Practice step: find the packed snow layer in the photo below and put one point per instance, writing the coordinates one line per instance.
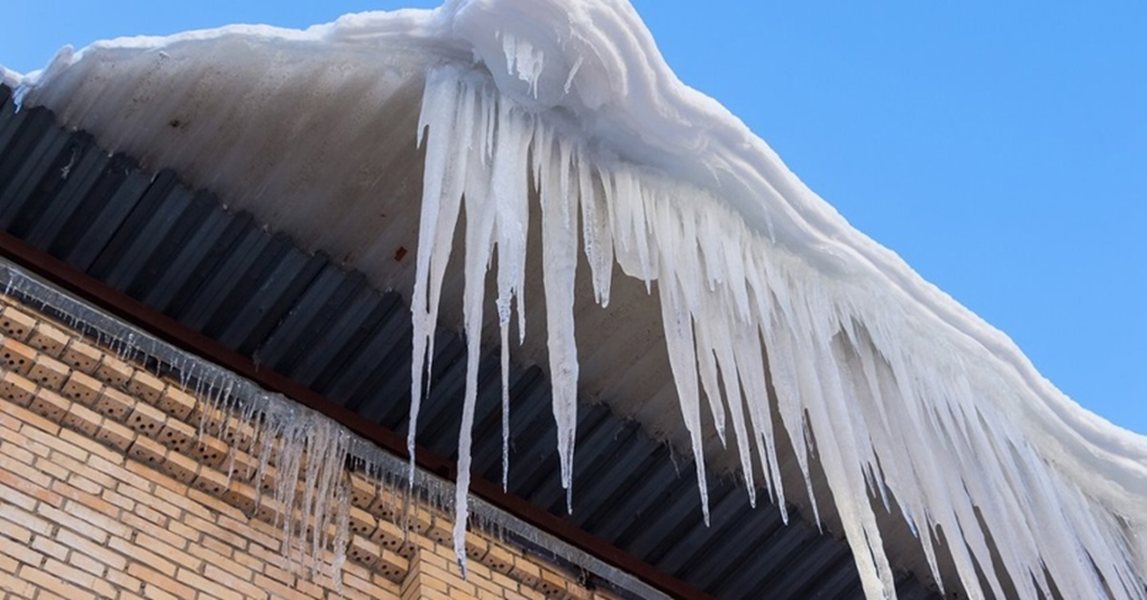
(774, 309)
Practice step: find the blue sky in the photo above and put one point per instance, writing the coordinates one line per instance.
(1000, 148)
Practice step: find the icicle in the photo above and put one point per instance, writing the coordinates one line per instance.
(444, 177)
(559, 243)
(858, 380)
(481, 220)
(679, 341)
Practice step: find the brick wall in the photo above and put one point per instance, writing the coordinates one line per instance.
(107, 490)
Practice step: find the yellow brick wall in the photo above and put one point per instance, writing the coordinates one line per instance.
(107, 490)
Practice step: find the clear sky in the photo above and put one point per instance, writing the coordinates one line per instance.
(1000, 148)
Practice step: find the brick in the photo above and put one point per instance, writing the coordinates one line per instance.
(224, 514)
(31, 421)
(146, 419)
(363, 551)
(164, 535)
(155, 581)
(176, 403)
(140, 556)
(115, 435)
(81, 418)
(113, 371)
(81, 355)
(209, 529)
(203, 584)
(211, 544)
(50, 548)
(87, 564)
(11, 584)
(17, 388)
(364, 586)
(362, 522)
(209, 451)
(118, 499)
(137, 524)
(235, 582)
(67, 466)
(278, 590)
(146, 386)
(86, 499)
(182, 500)
(97, 552)
(501, 560)
(81, 578)
(391, 537)
(93, 447)
(176, 435)
(180, 468)
(114, 404)
(50, 405)
(163, 548)
(221, 561)
(17, 357)
(242, 496)
(12, 450)
(129, 473)
(123, 581)
(93, 532)
(211, 482)
(83, 484)
(14, 323)
(53, 584)
(476, 547)
(82, 388)
(108, 523)
(147, 451)
(26, 481)
(48, 372)
(12, 531)
(21, 552)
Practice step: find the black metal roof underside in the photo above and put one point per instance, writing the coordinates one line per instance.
(178, 251)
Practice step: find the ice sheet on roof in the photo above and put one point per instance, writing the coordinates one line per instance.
(567, 108)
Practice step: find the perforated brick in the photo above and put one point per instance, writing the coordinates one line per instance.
(115, 435)
(180, 468)
(145, 419)
(176, 435)
(17, 356)
(83, 419)
(113, 371)
(49, 405)
(176, 403)
(114, 404)
(81, 356)
(147, 451)
(17, 388)
(16, 324)
(82, 388)
(48, 372)
(48, 338)
(146, 386)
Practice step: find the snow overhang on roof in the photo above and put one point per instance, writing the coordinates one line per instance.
(780, 321)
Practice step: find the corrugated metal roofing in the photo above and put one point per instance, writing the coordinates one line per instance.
(180, 252)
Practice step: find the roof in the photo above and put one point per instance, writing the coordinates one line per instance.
(180, 252)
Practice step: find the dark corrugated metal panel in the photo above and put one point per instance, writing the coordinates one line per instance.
(180, 252)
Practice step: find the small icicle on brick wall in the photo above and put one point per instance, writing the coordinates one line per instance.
(892, 406)
(299, 470)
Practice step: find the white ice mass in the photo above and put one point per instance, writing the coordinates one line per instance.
(566, 109)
